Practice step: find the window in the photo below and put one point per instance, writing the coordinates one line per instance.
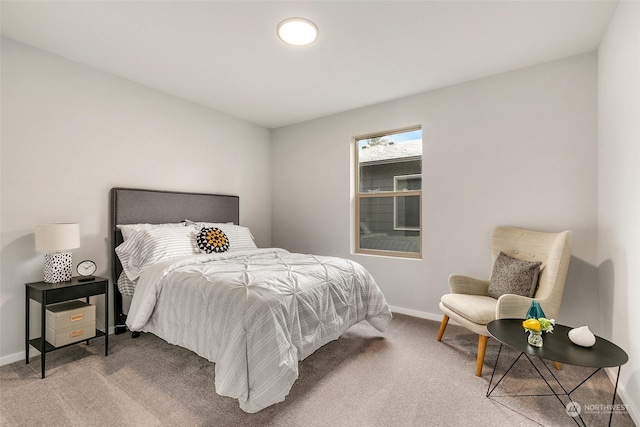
(389, 193)
(406, 210)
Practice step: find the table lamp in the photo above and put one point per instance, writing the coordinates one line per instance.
(56, 238)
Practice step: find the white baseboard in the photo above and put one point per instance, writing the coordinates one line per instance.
(5, 360)
(421, 314)
(634, 411)
(416, 313)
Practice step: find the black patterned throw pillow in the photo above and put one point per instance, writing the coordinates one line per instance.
(513, 276)
(212, 239)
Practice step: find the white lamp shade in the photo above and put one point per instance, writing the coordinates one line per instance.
(57, 237)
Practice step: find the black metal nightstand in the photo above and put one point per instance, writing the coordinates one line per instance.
(51, 293)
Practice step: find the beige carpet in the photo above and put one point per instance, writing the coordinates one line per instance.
(401, 378)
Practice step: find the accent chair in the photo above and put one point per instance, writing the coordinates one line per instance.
(515, 253)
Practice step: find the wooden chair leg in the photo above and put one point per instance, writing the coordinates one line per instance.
(558, 366)
(443, 326)
(482, 348)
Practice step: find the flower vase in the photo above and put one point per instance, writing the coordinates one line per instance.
(535, 339)
(535, 311)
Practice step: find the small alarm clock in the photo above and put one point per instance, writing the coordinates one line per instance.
(86, 269)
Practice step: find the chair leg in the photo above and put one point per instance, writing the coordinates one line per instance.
(558, 366)
(482, 348)
(443, 326)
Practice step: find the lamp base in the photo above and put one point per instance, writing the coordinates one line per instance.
(57, 267)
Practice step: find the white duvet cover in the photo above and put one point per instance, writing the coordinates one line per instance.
(255, 313)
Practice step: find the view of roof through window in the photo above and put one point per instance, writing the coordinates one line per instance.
(403, 145)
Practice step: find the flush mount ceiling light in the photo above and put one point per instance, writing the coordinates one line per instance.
(297, 31)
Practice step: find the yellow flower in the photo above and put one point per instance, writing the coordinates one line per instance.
(532, 325)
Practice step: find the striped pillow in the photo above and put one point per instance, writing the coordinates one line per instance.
(146, 247)
(128, 229)
(126, 286)
(240, 238)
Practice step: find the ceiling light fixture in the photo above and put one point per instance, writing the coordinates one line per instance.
(297, 31)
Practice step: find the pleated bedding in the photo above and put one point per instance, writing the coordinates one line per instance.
(255, 313)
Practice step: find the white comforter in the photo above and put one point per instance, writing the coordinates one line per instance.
(255, 313)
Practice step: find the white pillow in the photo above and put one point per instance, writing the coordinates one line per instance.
(128, 229)
(240, 238)
(146, 247)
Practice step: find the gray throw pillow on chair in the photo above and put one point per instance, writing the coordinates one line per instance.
(513, 276)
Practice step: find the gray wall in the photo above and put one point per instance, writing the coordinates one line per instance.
(619, 193)
(70, 133)
(516, 149)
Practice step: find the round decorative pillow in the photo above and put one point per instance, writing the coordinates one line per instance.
(213, 240)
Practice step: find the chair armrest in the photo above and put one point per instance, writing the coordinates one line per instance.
(512, 306)
(467, 285)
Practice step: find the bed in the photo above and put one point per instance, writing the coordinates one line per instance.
(254, 312)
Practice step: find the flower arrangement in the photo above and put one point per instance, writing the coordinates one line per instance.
(536, 327)
(539, 325)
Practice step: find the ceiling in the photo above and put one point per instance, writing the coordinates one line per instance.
(225, 54)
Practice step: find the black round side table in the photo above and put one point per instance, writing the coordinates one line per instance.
(558, 348)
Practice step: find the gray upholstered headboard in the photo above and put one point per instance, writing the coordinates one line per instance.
(136, 206)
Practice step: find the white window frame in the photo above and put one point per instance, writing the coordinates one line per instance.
(395, 200)
(377, 194)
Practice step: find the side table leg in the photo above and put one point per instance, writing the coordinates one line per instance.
(106, 318)
(88, 302)
(26, 328)
(494, 371)
(43, 331)
(489, 389)
(613, 401)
